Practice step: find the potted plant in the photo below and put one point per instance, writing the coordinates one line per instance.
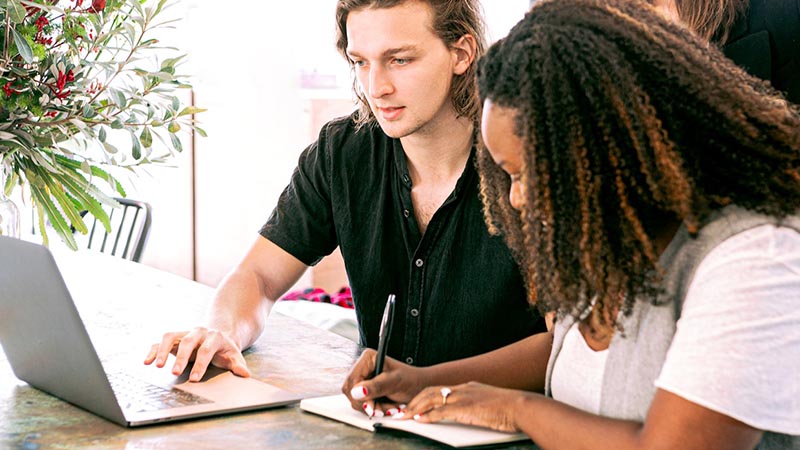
(86, 89)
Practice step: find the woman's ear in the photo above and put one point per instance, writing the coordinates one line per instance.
(464, 51)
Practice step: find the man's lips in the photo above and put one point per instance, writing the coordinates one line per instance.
(390, 112)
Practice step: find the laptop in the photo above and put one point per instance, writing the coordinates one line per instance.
(48, 347)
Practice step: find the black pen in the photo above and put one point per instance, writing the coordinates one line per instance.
(385, 332)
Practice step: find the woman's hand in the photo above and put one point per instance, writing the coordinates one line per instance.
(471, 403)
(397, 384)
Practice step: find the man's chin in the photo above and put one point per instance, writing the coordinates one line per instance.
(394, 130)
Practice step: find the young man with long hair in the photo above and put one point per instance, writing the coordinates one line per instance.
(393, 185)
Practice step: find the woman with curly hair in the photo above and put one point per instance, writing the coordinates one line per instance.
(649, 189)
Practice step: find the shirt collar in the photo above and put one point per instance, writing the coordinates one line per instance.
(401, 165)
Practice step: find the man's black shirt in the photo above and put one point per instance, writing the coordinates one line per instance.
(458, 290)
(766, 43)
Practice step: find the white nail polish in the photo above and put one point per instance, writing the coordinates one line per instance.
(378, 413)
(392, 411)
(368, 409)
(417, 416)
(399, 415)
(358, 392)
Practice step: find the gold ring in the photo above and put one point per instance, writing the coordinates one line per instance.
(445, 392)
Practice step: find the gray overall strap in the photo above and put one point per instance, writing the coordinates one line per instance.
(637, 354)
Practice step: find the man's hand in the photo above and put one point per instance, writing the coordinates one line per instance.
(398, 383)
(202, 346)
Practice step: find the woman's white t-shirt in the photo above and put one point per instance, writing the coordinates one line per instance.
(736, 349)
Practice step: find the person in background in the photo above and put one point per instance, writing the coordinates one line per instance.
(763, 36)
(655, 187)
(394, 185)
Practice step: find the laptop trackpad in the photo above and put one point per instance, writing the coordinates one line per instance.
(222, 386)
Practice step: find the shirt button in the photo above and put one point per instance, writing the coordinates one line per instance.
(419, 263)
(414, 312)
(406, 213)
(405, 178)
(409, 360)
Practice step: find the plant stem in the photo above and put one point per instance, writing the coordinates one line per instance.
(8, 34)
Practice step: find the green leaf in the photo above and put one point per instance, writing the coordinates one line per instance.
(56, 219)
(11, 182)
(102, 134)
(171, 62)
(67, 207)
(117, 125)
(146, 137)
(110, 148)
(86, 194)
(174, 127)
(176, 104)
(16, 12)
(40, 222)
(160, 6)
(164, 76)
(117, 97)
(176, 142)
(201, 131)
(136, 150)
(22, 46)
(88, 112)
(191, 110)
(80, 185)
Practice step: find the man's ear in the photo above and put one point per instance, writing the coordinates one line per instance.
(464, 51)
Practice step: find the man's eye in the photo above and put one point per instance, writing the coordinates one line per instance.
(358, 63)
(402, 61)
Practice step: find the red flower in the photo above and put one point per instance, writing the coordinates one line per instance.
(41, 22)
(61, 83)
(8, 90)
(97, 5)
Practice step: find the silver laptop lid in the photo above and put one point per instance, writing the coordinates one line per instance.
(42, 333)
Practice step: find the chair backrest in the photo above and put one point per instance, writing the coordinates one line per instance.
(130, 226)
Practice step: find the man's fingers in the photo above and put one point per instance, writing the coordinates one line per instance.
(202, 358)
(151, 355)
(240, 367)
(167, 346)
(186, 349)
(201, 346)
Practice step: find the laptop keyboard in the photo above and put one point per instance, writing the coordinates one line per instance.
(138, 395)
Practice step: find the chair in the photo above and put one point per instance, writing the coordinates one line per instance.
(130, 227)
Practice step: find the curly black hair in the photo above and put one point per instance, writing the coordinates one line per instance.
(629, 121)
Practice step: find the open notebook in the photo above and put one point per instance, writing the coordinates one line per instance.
(337, 407)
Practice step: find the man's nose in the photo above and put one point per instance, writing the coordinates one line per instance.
(379, 82)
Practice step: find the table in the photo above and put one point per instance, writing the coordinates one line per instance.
(138, 303)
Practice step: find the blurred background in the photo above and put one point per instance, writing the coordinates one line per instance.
(270, 76)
